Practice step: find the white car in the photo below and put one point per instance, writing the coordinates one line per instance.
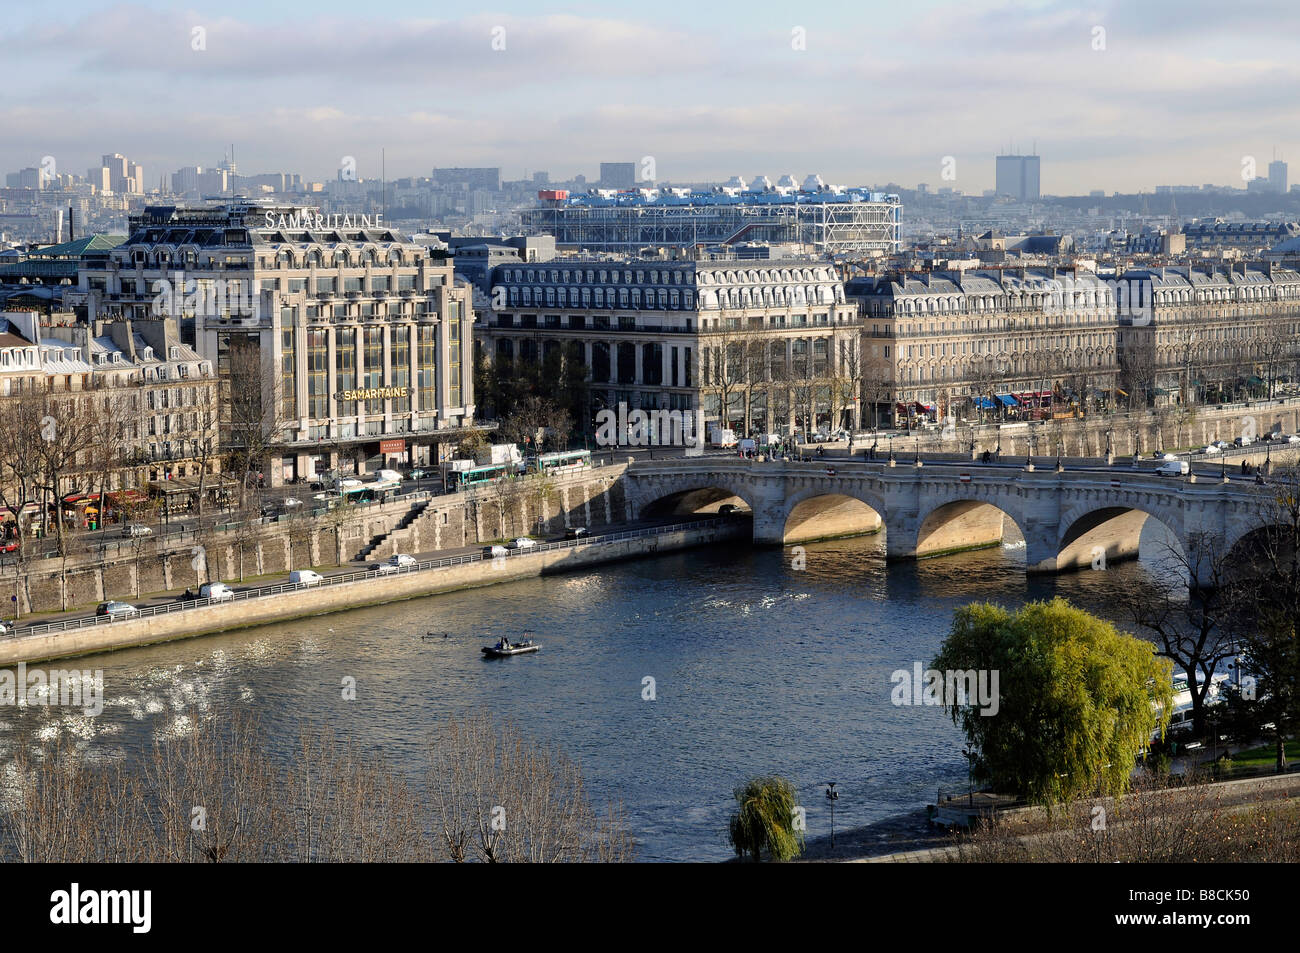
(305, 577)
(216, 591)
(1211, 449)
(1174, 468)
(523, 542)
(291, 501)
(1169, 456)
(1294, 438)
(395, 562)
(388, 475)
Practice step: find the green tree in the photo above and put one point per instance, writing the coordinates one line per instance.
(765, 820)
(1076, 700)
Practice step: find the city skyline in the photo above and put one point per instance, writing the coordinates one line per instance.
(1139, 98)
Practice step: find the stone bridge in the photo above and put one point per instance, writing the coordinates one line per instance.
(1070, 518)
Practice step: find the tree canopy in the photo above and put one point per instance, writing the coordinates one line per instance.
(1075, 702)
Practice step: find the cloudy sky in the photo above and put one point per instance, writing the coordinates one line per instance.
(1117, 94)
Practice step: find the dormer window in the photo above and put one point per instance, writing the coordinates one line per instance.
(148, 354)
(175, 353)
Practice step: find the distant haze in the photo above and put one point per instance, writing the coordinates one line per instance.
(1180, 93)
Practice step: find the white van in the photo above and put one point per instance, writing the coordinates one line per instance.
(1174, 468)
(216, 591)
(387, 476)
(305, 577)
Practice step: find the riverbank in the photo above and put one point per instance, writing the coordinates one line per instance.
(285, 603)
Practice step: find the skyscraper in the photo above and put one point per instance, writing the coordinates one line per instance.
(618, 175)
(1017, 176)
(1277, 176)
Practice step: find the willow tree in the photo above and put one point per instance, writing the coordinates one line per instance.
(1077, 700)
(766, 822)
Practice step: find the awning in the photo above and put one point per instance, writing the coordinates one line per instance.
(1255, 381)
(1006, 400)
(983, 403)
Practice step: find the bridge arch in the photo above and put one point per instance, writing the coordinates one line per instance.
(1261, 545)
(959, 523)
(826, 512)
(703, 497)
(1100, 533)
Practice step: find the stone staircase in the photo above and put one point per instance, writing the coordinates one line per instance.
(415, 512)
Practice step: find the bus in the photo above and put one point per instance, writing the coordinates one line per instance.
(377, 490)
(454, 479)
(564, 462)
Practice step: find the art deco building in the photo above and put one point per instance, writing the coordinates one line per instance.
(363, 339)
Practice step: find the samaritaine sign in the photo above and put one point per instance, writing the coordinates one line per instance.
(313, 220)
(372, 393)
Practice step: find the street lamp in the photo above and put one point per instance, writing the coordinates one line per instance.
(832, 795)
(968, 752)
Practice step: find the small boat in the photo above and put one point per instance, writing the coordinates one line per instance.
(504, 648)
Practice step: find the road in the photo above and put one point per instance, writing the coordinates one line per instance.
(177, 595)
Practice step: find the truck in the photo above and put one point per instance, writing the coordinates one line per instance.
(499, 453)
(721, 436)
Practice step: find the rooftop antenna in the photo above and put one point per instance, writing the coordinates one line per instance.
(383, 183)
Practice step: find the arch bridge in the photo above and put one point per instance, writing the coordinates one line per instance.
(1070, 518)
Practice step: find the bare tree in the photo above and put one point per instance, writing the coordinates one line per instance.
(22, 425)
(498, 797)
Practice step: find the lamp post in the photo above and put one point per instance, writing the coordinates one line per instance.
(832, 795)
(968, 752)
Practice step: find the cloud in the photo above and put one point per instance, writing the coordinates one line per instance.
(1179, 90)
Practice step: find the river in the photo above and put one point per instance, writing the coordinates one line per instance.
(758, 666)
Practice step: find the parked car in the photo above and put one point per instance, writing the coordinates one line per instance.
(395, 562)
(1221, 444)
(116, 610)
(305, 577)
(523, 542)
(1293, 438)
(9, 547)
(1174, 468)
(289, 502)
(575, 532)
(495, 552)
(1243, 441)
(216, 591)
(132, 530)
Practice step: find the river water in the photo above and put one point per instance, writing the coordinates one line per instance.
(758, 667)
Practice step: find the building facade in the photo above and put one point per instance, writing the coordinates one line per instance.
(1061, 341)
(828, 219)
(359, 341)
(760, 346)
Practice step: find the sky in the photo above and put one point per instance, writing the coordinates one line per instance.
(1120, 95)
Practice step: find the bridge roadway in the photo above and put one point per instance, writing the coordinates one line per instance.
(1086, 515)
